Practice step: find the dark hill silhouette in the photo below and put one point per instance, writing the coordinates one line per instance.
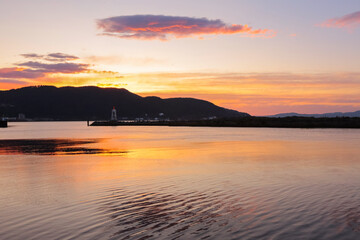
(94, 103)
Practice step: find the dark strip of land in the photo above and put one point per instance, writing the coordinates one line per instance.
(287, 122)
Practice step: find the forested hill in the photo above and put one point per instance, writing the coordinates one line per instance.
(94, 103)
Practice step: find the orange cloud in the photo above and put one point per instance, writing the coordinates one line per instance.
(160, 27)
(350, 21)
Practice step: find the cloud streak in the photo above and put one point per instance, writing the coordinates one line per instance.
(64, 67)
(53, 57)
(60, 57)
(13, 81)
(44, 65)
(21, 73)
(349, 21)
(58, 69)
(161, 27)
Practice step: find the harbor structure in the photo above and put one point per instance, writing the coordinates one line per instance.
(113, 115)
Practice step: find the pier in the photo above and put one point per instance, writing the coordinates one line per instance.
(266, 122)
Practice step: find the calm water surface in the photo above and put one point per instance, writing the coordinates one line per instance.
(69, 181)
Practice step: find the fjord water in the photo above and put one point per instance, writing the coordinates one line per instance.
(64, 180)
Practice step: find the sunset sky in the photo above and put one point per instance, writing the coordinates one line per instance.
(261, 57)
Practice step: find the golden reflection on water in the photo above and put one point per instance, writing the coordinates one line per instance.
(154, 158)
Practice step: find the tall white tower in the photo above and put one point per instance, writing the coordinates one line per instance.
(113, 114)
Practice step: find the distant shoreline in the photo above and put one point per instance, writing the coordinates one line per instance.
(259, 122)
(251, 122)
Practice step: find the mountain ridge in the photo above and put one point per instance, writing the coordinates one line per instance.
(95, 103)
(320, 115)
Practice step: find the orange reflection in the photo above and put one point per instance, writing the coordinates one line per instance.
(151, 156)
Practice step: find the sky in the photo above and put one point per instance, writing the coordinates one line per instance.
(257, 56)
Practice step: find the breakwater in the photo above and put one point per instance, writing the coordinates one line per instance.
(288, 122)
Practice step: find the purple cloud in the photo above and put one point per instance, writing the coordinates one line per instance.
(61, 57)
(31, 55)
(53, 57)
(351, 20)
(12, 81)
(64, 67)
(20, 73)
(160, 27)
(46, 65)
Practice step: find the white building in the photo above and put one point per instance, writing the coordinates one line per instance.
(113, 114)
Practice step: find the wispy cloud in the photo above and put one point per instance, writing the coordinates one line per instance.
(60, 57)
(54, 68)
(349, 21)
(53, 57)
(31, 55)
(13, 81)
(43, 65)
(22, 73)
(64, 67)
(161, 27)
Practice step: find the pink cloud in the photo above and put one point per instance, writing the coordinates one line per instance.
(160, 27)
(20, 73)
(43, 66)
(53, 57)
(63, 67)
(350, 21)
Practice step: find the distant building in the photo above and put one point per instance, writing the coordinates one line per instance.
(21, 116)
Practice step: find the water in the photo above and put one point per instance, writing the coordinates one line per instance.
(65, 180)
